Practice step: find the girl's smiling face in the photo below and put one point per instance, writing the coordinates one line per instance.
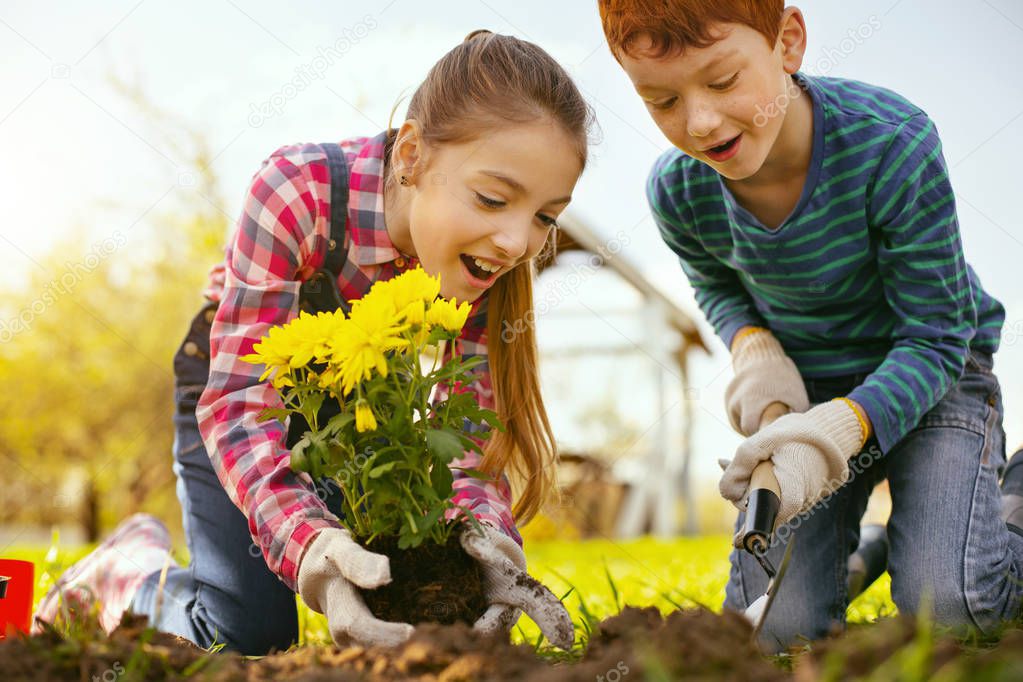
(474, 210)
(723, 104)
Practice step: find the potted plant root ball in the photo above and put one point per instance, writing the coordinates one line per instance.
(386, 447)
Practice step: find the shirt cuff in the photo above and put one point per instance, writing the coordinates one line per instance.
(300, 539)
(887, 430)
(728, 329)
(487, 519)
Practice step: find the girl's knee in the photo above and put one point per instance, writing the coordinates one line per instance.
(255, 636)
(252, 629)
(259, 639)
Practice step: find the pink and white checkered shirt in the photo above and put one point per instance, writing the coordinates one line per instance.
(279, 242)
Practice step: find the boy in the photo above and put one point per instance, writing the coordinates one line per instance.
(815, 220)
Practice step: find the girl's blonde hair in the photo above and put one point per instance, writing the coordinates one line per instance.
(481, 85)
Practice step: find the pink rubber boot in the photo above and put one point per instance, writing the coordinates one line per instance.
(111, 573)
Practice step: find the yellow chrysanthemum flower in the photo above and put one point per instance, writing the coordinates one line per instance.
(359, 345)
(272, 350)
(414, 313)
(448, 314)
(296, 343)
(412, 286)
(319, 330)
(364, 418)
(407, 294)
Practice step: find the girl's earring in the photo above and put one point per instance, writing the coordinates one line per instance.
(403, 180)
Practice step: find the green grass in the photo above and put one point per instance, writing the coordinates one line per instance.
(594, 577)
(684, 572)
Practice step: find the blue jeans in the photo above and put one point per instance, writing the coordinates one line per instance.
(227, 594)
(948, 541)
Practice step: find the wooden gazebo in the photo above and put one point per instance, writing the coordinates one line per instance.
(651, 502)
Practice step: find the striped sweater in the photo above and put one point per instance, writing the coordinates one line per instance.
(866, 275)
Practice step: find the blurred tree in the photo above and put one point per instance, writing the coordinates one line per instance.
(86, 351)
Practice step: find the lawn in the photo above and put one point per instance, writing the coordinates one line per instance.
(598, 576)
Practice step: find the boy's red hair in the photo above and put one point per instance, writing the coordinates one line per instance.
(674, 25)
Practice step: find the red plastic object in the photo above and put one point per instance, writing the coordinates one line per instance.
(16, 582)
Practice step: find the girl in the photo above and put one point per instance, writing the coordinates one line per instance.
(469, 187)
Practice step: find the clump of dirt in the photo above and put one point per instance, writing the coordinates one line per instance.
(135, 652)
(429, 584)
(904, 648)
(686, 645)
(132, 650)
(442, 653)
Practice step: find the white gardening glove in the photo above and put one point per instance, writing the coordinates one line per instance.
(810, 453)
(510, 590)
(331, 569)
(764, 374)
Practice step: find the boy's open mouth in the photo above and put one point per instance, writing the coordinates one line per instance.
(724, 152)
(726, 146)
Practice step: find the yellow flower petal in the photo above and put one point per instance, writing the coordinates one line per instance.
(448, 314)
(364, 418)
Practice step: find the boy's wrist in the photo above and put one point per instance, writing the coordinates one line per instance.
(742, 333)
(861, 414)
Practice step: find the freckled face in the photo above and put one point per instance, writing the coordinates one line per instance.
(495, 198)
(723, 104)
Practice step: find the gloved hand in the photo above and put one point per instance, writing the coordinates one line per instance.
(810, 453)
(764, 374)
(510, 590)
(331, 568)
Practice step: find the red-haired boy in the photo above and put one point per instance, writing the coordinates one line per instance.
(815, 220)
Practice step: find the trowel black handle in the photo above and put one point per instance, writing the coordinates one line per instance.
(764, 496)
(762, 509)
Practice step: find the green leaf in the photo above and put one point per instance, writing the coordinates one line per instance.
(469, 517)
(433, 516)
(441, 479)
(490, 417)
(472, 362)
(338, 422)
(278, 413)
(318, 456)
(425, 493)
(469, 444)
(380, 470)
(340, 451)
(444, 444)
(437, 334)
(314, 401)
(405, 541)
(385, 493)
(299, 460)
(474, 473)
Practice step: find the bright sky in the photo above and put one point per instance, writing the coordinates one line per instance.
(72, 149)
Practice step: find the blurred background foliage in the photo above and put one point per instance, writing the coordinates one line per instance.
(86, 432)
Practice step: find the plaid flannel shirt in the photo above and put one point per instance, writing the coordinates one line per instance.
(279, 242)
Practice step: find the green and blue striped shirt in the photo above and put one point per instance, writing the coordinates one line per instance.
(866, 275)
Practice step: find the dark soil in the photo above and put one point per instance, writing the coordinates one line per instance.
(429, 584)
(900, 648)
(638, 644)
(695, 644)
